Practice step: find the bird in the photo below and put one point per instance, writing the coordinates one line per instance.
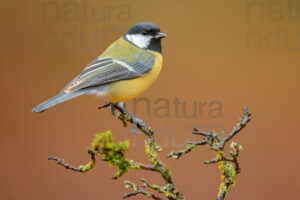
(122, 72)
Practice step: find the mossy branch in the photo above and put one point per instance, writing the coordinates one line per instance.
(229, 167)
(111, 152)
(114, 154)
(137, 191)
(152, 150)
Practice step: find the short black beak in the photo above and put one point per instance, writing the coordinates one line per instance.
(160, 35)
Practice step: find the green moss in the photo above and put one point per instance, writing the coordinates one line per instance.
(236, 146)
(167, 173)
(111, 152)
(191, 147)
(87, 167)
(222, 187)
(151, 152)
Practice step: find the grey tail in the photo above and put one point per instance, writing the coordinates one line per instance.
(56, 100)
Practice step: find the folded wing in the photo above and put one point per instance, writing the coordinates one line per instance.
(106, 70)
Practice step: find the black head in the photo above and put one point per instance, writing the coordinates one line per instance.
(146, 36)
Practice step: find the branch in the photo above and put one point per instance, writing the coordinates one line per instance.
(152, 150)
(81, 168)
(125, 118)
(153, 187)
(178, 154)
(137, 191)
(111, 152)
(142, 166)
(217, 143)
(61, 162)
(114, 154)
(245, 119)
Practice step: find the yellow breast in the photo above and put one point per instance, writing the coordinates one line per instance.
(125, 90)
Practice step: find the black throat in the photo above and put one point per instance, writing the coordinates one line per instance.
(155, 45)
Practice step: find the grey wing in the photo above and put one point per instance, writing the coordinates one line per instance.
(106, 70)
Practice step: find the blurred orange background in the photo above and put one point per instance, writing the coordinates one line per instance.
(227, 54)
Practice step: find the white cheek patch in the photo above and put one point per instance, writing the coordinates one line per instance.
(142, 41)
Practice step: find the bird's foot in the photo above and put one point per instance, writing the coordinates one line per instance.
(135, 122)
(139, 121)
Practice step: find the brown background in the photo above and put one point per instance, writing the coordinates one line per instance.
(233, 52)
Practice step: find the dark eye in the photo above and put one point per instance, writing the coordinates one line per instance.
(144, 33)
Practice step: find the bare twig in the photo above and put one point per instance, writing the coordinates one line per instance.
(61, 162)
(245, 119)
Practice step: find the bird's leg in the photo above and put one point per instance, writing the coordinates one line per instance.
(111, 105)
(135, 121)
(112, 109)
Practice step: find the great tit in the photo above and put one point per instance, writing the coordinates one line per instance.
(122, 72)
